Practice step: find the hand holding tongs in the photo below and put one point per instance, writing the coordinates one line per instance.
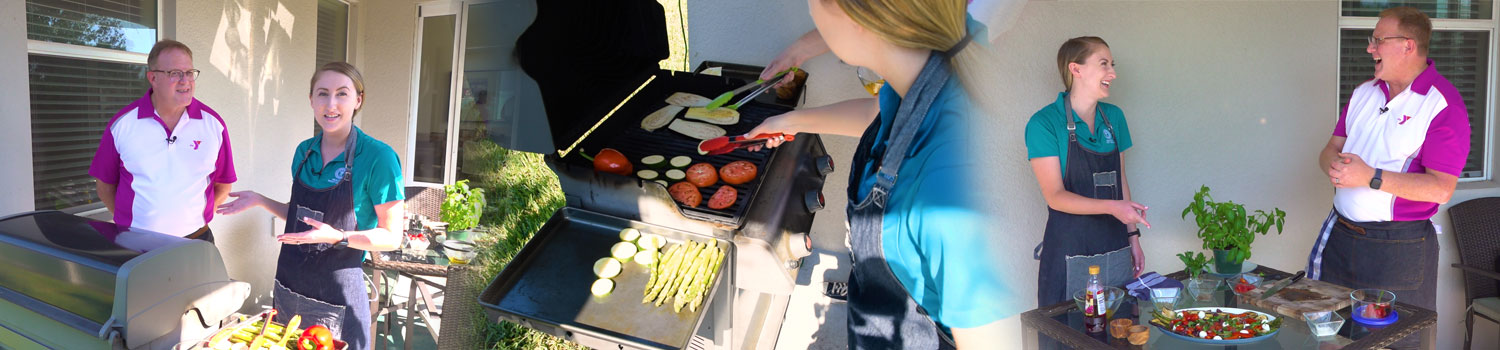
(725, 97)
(725, 144)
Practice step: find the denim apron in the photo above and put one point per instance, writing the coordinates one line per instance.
(1073, 242)
(322, 282)
(1399, 256)
(882, 314)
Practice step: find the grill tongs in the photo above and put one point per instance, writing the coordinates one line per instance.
(764, 84)
(725, 144)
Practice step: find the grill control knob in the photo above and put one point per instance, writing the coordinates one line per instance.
(824, 164)
(814, 201)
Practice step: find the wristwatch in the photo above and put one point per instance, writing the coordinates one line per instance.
(343, 242)
(1375, 181)
(1137, 232)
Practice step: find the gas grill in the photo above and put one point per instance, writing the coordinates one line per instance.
(545, 287)
(70, 282)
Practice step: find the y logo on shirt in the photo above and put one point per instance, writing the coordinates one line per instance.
(1108, 138)
(1404, 118)
(195, 144)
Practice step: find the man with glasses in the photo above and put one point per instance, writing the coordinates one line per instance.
(1396, 154)
(164, 162)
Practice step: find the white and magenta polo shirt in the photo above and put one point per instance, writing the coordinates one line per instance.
(1424, 127)
(165, 180)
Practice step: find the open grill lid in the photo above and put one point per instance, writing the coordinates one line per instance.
(586, 59)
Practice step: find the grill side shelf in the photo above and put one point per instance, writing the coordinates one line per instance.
(546, 286)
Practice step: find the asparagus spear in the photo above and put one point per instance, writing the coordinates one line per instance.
(661, 276)
(655, 272)
(703, 287)
(694, 274)
(680, 273)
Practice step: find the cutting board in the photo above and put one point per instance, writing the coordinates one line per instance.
(1304, 296)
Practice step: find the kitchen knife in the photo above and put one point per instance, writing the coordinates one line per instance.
(1279, 285)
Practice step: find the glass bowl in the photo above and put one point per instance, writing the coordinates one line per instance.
(1323, 323)
(1245, 283)
(1372, 304)
(1166, 298)
(1112, 298)
(1203, 288)
(459, 252)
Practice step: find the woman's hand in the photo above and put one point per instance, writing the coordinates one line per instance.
(242, 200)
(783, 124)
(1129, 213)
(1140, 256)
(806, 47)
(320, 233)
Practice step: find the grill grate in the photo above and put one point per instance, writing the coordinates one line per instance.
(622, 132)
(636, 143)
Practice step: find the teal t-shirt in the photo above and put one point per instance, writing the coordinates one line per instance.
(933, 232)
(377, 174)
(1047, 132)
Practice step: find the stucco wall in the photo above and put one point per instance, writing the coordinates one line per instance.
(256, 57)
(385, 55)
(15, 104)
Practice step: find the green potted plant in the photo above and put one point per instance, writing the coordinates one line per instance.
(1196, 263)
(1228, 229)
(462, 208)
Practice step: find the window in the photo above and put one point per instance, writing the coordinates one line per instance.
(333, 31)
(1462, 47)
(86, 60)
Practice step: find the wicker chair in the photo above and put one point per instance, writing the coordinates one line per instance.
(1476, 226)
(425, 201)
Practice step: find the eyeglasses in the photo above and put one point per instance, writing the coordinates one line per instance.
(1374, 40)
(178, 75)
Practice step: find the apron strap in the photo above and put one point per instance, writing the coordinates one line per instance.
(909, 117)
(349, 146)
(1072, 127)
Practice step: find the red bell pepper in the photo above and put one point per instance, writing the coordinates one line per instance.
(316, 338)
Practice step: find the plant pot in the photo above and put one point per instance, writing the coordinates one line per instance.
(1223, 265)
(462, 235)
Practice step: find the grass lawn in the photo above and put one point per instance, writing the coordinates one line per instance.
(522, 193)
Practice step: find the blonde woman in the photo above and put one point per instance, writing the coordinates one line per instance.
(1075, 146)
(346, 199)
(923, 276)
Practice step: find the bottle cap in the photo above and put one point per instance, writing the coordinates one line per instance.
(1093, 269)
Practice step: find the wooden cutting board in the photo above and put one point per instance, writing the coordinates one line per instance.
(1304, 296)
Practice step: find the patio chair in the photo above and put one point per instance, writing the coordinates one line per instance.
(425, 201)
(1476, 226)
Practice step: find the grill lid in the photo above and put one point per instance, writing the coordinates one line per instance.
(586, 59)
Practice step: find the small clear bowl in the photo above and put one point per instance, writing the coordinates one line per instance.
(1372, 304)
(1203, 288)
(1166, 298)
(459, 252)
(1323, 323)
(1112, 298)
(1245, 283)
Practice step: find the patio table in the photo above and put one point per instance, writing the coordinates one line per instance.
(1063, 323)
(450, 321)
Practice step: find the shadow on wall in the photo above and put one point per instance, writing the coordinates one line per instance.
(245, 78)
